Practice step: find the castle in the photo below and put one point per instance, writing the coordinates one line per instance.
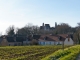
(47, 27)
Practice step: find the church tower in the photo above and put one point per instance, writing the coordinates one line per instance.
(43, 26)
(55, 24)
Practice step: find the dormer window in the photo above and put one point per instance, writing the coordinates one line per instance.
(46, 38)
(60, 37)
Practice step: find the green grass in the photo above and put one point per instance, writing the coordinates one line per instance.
(26, 52)
(68, 54)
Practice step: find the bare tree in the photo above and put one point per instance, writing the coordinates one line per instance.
(28, 30)
(78, 24)
(10, 30)
(34, 42)
(63, 28)
(77, 34)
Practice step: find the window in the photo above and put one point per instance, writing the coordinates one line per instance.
(60, 37)
(39, 42)
(46, 38)
(43, 43)
(50, 43)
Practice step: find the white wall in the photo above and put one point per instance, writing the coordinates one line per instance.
(70, 42)
(26, 42)
(49, 42)
(46, 42)
(58, 42)
(11, 43)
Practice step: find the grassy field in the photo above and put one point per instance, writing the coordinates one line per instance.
(26, 52)
(68, 54)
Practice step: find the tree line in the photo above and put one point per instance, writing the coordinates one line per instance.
(62, 28)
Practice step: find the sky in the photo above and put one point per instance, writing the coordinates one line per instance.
(21, 12)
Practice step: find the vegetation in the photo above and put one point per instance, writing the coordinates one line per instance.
(10, 30)
(62, 28)
(26, 52)
(67, 54)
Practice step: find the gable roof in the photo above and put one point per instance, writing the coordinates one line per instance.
(59, 37)
(48, 38)
(63, 35)
(66, 35)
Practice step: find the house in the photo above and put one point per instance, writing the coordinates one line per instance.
(56, 39)
(68, 39)
(17, 40)
(12, 40)
(27, 41)
(30, 39)
(3, 41)
(49, 40)
(21, 39)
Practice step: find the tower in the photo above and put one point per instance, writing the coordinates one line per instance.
(55, 24)
(43, 26)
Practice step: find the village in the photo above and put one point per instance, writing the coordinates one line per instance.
(39, 29)
(38, 39)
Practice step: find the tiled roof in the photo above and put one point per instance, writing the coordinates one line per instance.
(63, 35)
(59, 37)
(66, 35)
(49, 38)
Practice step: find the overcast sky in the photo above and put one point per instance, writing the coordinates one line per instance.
(21, 12)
